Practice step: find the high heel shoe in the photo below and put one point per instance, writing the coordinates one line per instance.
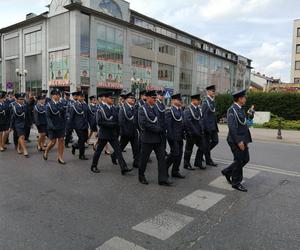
(27, 155)
(61, 162)
(45, 157)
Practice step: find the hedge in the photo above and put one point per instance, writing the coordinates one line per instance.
(286, 125)
(285, 105)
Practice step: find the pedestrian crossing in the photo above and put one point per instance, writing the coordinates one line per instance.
(168, 223)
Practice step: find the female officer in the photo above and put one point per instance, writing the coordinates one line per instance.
(41, 121)
(4, 120)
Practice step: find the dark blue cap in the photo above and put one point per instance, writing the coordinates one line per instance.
(161, 92)
(196, 97)
(239, 94)
(211, 87)
(176, 97)
(151, 93)
(55, 92)
(92, 97)
(2, 94)
(20, 96)
(109, 94)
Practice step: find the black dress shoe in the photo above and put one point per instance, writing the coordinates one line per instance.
(113, 160)
(189, 167)
(45, 157)
(126, 170)
(240, 187)
(227, 176)
(83, 158)
(95, 170)
(211, 163)
(178, 175)
(165, 183)
(73, 150)
(143, 180)
(135, 166)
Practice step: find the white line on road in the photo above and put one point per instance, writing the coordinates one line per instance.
(117, 243)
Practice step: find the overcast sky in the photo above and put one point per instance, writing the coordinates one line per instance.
(258, 29)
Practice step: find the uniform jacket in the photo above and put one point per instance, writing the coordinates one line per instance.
(19, 114)
(192, 121)
(237, 124)
(40, 117)
(174, 124)
(161, 109)
(209, 115)
(5, 113)
(56, 115)
(126, 121)
(80, 116)
(93, 111)
(151, 130)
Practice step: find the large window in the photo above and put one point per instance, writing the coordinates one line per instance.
(110, 51)
(85, 50)
(298, 48)
(143, 42)
(167, 49)
(186, 59)
(165, 32)
(141, 74)
(11, 47)
(59, 66)
(166, 75)
(1, 87)
(297, 80)
(12, 79)
(202, 72)
(185, 74)
(184, 39)
(33, 64)
(297, 65)
(298, 32)
(144, 24)
(33, 42)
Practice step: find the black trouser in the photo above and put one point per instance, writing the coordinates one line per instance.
(211, 141)
(192, 140)
(117, 150)
(124, 140)
(82, 138)
(68, 136)
(241, 158)
(146, 150)
(175, 156)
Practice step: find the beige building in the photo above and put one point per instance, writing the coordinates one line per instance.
(295, 68)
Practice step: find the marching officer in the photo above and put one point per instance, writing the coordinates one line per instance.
(44, 94)
(194, 133)
(238, 139)
(107, 120)
(19, 122)
(5, 114)
(80, 118)
(40, 120)
(211, 129)
(175, 130)
(56, 125)
(152, 133)
(93, 110)
(128, 131)
(67, 103)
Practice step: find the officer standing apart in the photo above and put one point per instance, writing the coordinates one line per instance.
(194, 133)
(80, 118)
(152, 138)
(210, 124)
(238, 139)
(175, 130)
(107, 120)
(128, 130)
(4, 120)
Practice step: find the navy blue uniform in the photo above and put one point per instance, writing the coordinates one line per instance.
(107, 120)
(194, 135)
(56, 120)
(128, 131)
(40, 118)
(5, 114)
(18, 120)
(67, 105)
(161, 108)
(175, 131)
(210, 127)
(152, 138)
(79, 118)
(238, 132)
(93, 110)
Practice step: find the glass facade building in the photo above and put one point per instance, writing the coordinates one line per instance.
(103, 45)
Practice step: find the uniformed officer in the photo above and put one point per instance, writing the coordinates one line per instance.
(93, 106)
(67, 103)
(4, 119)
(56, 125)
(18, 123)
(238, 139)
(194, 133)
(40, 120)
(80, 118)
(107, 120)
(44, 94)
(175, 130)
(128, 131)
(152, 138)
(211, 129)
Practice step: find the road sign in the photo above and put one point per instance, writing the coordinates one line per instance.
(9, 85)
(167, 95)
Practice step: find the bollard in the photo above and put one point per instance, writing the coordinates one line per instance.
(279, 134)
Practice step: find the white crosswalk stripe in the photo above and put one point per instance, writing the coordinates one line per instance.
(117, 243)
(164, 225)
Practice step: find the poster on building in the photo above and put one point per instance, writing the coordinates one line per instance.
(141, 78)
(59, 68)
(84, 70)
(109, 74)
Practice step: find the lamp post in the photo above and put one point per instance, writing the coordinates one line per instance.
(20, 74)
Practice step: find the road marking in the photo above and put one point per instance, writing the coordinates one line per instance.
(164, 225)
(250, 173)
(201, 200)
(221, 183)
(264, 168)
(117, 243)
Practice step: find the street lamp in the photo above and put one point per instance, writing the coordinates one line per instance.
(21, 73)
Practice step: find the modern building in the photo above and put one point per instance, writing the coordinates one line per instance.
(295, 65)
(262, 82)
(98, 45)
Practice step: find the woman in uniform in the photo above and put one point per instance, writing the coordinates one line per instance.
(41, 121)
(4, 120)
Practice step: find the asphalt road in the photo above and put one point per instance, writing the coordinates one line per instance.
(47, 206)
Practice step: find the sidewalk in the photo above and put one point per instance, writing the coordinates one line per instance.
(270, 135)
